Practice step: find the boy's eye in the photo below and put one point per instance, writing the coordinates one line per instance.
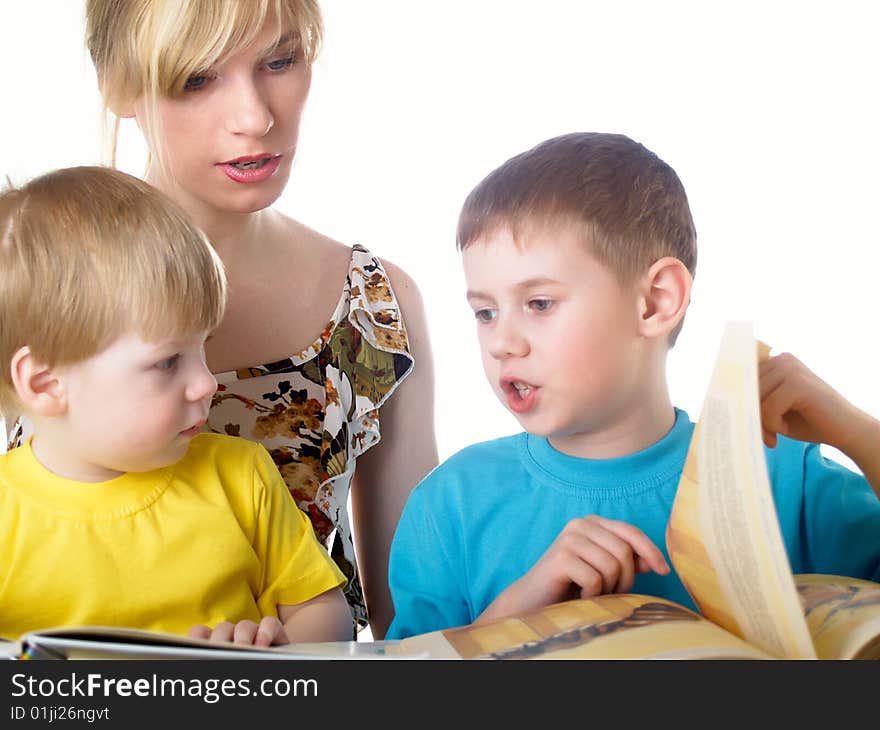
(540, 305)
(196, 82)
(279, 64)
(485, 315)
(168, 363)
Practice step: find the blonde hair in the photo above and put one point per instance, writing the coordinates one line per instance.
(87, 253)
(149, 48)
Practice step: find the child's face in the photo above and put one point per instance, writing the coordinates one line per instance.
(135, 406)
(558, 334)
(248, 110)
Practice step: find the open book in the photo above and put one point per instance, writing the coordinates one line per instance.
(723, 538)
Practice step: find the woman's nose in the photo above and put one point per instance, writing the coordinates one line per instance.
(248, 109)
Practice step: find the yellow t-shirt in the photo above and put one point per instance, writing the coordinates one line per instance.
(214, 537)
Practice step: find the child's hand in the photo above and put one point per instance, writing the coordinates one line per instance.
(269, 632)
(797, 404)
(592, 555)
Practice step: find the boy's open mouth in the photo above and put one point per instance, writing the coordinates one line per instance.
(521, 396)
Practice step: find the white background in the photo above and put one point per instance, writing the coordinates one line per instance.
(767, 110)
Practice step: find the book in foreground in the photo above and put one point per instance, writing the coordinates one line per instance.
(723, 538)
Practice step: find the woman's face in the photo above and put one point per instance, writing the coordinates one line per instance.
(227, 142)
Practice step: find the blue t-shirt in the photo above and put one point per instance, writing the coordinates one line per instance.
(481, 520)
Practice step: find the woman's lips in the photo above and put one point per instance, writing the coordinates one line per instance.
(251, 169)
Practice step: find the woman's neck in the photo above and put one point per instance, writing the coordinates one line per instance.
(228, 231)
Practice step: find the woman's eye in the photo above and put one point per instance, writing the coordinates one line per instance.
(196, 82)
(484, 315)
(279, 64)
(168, 363)
(541, 305)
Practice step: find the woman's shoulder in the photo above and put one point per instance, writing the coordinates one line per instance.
(334, 254)
(326, 253)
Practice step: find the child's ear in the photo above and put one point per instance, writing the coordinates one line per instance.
(664, 295)
(38, 386)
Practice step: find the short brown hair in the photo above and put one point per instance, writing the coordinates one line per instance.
(88, 252)
(630, 204)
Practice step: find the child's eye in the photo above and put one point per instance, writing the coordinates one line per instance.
(279, 64)
(485, 316)
(168, 363)
(541, 305)
(196, 82)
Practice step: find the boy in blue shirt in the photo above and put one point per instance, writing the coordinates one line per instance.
(579, 256)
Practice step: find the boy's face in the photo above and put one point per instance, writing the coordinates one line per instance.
(135, 406)
(558, 335)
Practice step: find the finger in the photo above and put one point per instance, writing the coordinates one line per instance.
(585, 577)
(774, 407)
(611, 555)
(271, 632)
(639, 542)
(770, 376)
(199, 632)
(244, 632)
(222, 632)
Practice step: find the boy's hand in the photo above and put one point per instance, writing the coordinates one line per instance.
(269, 632)
(592, 555)
(797, 404)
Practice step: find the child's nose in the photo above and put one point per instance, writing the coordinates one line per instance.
(507, 340)
(203, 385)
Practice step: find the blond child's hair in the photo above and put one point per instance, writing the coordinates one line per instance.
(629, 205)
(149, 48)
(87, 253)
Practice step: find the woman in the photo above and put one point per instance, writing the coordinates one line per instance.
(322, 344)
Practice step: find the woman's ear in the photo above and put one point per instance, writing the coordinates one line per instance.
(664, 295)
(38, 386)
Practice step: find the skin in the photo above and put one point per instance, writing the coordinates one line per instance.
(85, 432)
(323, 618)
(252, 104)
(798, 404)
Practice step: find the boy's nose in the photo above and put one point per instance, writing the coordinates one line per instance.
(248, 111)
(203, 385)
(507, 340)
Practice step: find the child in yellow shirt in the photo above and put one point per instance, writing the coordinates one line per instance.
(118, 510)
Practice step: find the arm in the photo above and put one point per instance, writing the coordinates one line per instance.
(799, 405)
(323, 618)
(591, 556)
(387, 473)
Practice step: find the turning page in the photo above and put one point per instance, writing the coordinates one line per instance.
(723, 535)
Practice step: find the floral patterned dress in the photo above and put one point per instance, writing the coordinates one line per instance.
(318, 410)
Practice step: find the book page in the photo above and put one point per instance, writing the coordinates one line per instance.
(723, 535)
(9, 649)
(105, 642)
(843, 615)
(627, 626)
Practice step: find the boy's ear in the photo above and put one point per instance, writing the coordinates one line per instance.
(664, 295)
(38, 386)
